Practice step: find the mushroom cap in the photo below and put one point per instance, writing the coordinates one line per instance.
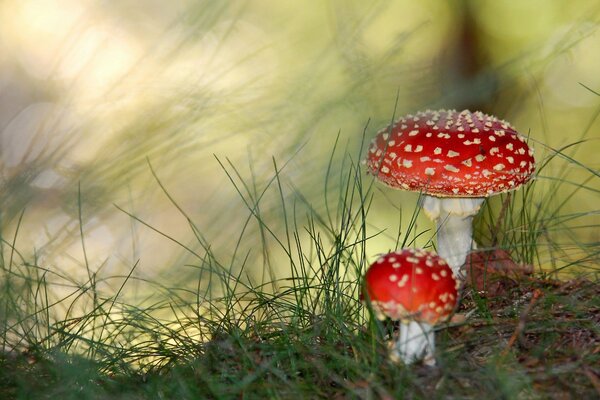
(449, 153)
(412, 285)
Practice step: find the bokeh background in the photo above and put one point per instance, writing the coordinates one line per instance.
(92, 92)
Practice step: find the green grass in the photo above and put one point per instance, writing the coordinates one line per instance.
(236, 333)
(277, 314)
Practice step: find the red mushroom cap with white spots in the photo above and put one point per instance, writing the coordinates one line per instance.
(450, 153)
(412, 285)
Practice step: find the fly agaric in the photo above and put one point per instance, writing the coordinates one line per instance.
(456, 159)
(418, 288)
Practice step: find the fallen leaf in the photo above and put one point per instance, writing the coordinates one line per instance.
(493, 272)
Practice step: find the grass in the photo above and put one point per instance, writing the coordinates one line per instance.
(233, 325)
(235, 333)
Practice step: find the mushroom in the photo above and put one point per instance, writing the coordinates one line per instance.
(418, 288)
(456, 159)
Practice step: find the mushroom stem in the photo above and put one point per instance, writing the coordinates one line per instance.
(416, 341)
(454, 218)
(454, 240)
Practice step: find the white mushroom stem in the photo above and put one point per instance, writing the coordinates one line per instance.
(454, 219)
(416, 342)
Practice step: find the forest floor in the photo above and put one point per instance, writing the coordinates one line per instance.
(517, 338)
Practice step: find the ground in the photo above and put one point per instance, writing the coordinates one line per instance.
(531, 338)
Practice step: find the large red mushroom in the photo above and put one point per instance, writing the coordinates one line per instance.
(419, 289)
(456, 159)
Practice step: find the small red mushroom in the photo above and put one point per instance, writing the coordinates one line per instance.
(419, 289)
(456, 159)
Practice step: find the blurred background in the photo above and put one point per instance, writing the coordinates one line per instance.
(93, 92)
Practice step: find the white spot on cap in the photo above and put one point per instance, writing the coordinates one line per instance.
(499, 167)
(492, 138)
(437, 150)
(425, 158)
(403, 281)
(494, 150)
(408, 148)
(479, 157)
(414, 132)
(451, 168)
(418, 148)
(452, 153)
(385, 169)
(407, 163)
(467, 162)
(509, 146)
(429, 171)
(418, 270)
(510, 159)
(393, 278)
(413, 260)
(396, 265)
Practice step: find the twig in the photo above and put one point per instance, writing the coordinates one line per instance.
(537, 293)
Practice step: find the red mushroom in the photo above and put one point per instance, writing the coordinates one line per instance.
(456, 159)
(419, 289)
